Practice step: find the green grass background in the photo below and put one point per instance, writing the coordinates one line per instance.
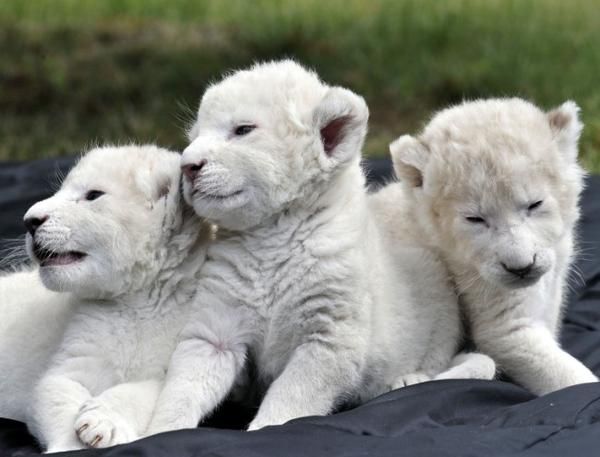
(78, 72)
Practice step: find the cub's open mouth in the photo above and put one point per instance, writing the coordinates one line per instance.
(49, 258)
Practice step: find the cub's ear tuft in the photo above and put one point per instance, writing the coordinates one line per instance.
(192, 131)
(409, 156)
(341, 120)
(566, 126)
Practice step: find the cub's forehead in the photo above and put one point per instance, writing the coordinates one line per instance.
(494, 140)
(507, 111)
(488, 126)
(117, 166)
(491, 151)
(484, 180)
(265, 89)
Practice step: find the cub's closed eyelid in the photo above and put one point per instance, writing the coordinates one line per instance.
(535, 205)
(475, 219)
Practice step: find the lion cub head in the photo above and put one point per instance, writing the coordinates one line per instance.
(100, 234)
(268, 139)
(496, 185)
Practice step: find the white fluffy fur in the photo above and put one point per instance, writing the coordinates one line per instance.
(33, 320)
(143, 249)
(300, 280)
(468, 185)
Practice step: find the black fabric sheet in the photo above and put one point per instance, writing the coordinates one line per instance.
(443, 418)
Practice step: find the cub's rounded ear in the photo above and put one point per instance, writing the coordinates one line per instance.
(165, 186)
(341, 120)
(409, 156)
(159, 182)
(566, 127)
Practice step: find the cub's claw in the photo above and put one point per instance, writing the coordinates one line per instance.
(100, 426)
(96, 440)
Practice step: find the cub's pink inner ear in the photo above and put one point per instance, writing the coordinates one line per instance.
(559, 119)
(163, 188)
(333, 133)
(163, 191)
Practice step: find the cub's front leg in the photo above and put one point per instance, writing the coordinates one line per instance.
(63, 390)
(118, 415)
(56, 403)
(202, 371)
(528, 352)
(320, 372)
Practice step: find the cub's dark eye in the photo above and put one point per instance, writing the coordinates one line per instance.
(535, 205)
(475, 219)
(242, 130)
(93, 195)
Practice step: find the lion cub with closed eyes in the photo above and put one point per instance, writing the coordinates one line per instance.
(493, 187)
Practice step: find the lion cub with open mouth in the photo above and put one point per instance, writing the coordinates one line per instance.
(117, 236)
(300, 279)
(493, 186)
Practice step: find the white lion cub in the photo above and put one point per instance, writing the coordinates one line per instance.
(119, 237)
(493, 186)
(300, 279)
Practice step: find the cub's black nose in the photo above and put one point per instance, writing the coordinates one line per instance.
(521, 272)
(33, 223)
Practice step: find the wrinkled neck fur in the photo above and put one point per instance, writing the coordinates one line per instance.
(344, 196)
(185, 244)
(176, 259)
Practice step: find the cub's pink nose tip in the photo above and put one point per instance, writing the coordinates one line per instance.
(191, 170)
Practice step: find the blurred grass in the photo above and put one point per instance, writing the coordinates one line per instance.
(76, 72)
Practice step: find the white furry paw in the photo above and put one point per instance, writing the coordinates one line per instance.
(410, 379)
(472, 365)
(264, 419)
(99, 426)
(257, 425)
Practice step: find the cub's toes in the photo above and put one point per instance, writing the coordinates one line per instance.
(96, 440)
(101, 427)
(410, 379)
(94, 430)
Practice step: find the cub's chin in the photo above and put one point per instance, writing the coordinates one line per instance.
(64, 274)
(61, 270)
